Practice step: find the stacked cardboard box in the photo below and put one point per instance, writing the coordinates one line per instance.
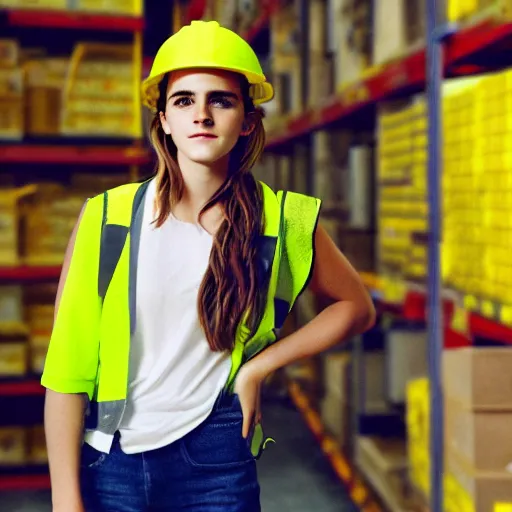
(286, 62)
(477, 444)
(20, 446)
(351, 33)
(383, 461)
(398, 28)
(49, 217)
(334, 405)
(478, 415)
(45, 80)
(99, 98)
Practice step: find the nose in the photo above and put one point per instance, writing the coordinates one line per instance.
(203, 114)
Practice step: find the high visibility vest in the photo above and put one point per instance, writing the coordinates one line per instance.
(90, 343)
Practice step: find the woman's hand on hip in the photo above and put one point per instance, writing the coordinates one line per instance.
(248, 387)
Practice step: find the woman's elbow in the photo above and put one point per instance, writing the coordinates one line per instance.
(366, 315)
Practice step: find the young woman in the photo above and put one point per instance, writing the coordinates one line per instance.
(172, 296)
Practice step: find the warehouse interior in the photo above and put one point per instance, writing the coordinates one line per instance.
(394, 113)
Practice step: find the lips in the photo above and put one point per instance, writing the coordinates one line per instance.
(203, 136)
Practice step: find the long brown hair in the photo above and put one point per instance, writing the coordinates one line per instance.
(234, 285)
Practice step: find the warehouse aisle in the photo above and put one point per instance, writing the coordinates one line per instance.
(294, 474)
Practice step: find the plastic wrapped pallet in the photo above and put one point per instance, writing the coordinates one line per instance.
(353, 35)
(397, 28)
(360, 187)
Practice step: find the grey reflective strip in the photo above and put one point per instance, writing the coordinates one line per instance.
(137, 216)
(109, 416)
(113, 240)
(284, 276)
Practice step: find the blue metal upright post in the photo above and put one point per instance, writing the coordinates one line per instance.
(434, 75)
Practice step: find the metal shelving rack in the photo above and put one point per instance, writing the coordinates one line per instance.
(63, 151)
(449, 52)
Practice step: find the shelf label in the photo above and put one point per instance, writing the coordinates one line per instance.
(506, 315)
(503, 507)
(460, 320)
(470, 302)
(488, 309)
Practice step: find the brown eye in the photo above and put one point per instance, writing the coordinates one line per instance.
(183, 102)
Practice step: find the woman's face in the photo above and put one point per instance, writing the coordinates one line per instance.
(204, 114)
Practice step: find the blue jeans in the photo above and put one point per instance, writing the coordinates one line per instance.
(211, 469)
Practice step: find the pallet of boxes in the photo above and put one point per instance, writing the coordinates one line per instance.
(478, 420)
(478, 444)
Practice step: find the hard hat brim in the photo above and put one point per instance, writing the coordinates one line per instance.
(260, 91)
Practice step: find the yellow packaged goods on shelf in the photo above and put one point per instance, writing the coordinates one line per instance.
(467, 10)
(35, 4)
(11, 104)
(9, 236)
(402, 210)
(45, 79)
(477, 187)
(13, 358)
(49, 218)
(102, 91)
(418, 433)
(127, 7)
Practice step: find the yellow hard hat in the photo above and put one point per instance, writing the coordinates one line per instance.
(205, 44)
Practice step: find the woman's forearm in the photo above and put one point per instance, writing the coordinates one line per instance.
(334, 324)
(63, 428)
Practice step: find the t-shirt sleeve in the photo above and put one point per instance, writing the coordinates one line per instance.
(72, 360)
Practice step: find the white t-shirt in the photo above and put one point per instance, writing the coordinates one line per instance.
(174, 377)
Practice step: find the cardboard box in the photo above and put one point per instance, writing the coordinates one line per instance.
(481, 440)
(13, 446)
(479, 378)
(406, 359)
(472, 490)
(384, 464)
(13, 358)
(336, 373)
(335, 414)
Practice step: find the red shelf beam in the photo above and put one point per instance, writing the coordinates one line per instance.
(21, 388)
(73, 20)
(414, 309)
(471, 40)
(34, 482)
(394, 78)
(113, 155)
(27, 274)
(488, 328)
